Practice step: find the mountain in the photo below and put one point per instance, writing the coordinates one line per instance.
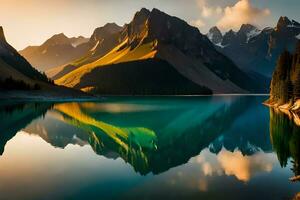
(52, 52)
(18, 79)
(103, 40)
(215, 35)
(255, 50)
(12, 64)
(76, 41)
(285, 85)
(160, 54)
(16, 116)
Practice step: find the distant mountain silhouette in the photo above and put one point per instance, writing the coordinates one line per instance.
(18, 79)
(103, 40)
(257, 50)
(57, 50)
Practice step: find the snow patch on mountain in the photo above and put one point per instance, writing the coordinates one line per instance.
(294, 24)
(252, 34)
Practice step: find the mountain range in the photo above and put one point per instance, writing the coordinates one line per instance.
(254, 50)
(14, 65)
(155, 53)
(57, 50)
(18, 75)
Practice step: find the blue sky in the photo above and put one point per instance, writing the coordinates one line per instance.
(31, 22)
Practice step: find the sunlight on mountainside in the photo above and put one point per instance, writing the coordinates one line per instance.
(142, 52)
(137, 135)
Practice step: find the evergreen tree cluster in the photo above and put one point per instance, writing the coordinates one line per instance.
(285, 85)
(12, 84)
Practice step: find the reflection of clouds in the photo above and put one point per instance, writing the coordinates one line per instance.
(207, 170)
(234, 163)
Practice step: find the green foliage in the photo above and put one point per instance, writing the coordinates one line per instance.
(285, 85)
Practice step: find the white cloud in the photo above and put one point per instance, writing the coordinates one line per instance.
(240, 13)
(207, 10)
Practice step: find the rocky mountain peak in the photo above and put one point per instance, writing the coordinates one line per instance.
(112, 27)
(2, 36)
(247, 32)
(229, 37)
(215, 35)
(105, 31)
(283, 23)
(57, 39)
(142, 14)
(246, 28)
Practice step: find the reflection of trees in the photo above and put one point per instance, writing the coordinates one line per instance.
(15, 116)
(285, 138)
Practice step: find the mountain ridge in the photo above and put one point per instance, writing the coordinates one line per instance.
(53, 51)
(154, 34)
(258, 50)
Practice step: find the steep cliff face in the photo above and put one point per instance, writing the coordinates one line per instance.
(285, 85)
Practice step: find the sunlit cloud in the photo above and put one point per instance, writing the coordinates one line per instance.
(241, 13)
(207, 10)
(198, 23)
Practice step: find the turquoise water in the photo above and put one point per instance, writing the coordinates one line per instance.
(226, 147)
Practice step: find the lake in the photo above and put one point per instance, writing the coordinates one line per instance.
(223, 147)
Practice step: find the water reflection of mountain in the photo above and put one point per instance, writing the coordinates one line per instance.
(285, 138)
(154, 137)
(248, 131)
(15, 116)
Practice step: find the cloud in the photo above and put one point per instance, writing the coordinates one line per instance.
(207, 10)
(240, 13)
(235, 163)
(244, 167)
(198, 23)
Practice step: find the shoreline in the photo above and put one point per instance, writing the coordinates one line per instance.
(290, 109)
(45, 96)
(52, 96)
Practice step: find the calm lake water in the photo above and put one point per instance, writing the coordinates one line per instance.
(147, 148)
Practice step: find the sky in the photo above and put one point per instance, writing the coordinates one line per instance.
(31, 22)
